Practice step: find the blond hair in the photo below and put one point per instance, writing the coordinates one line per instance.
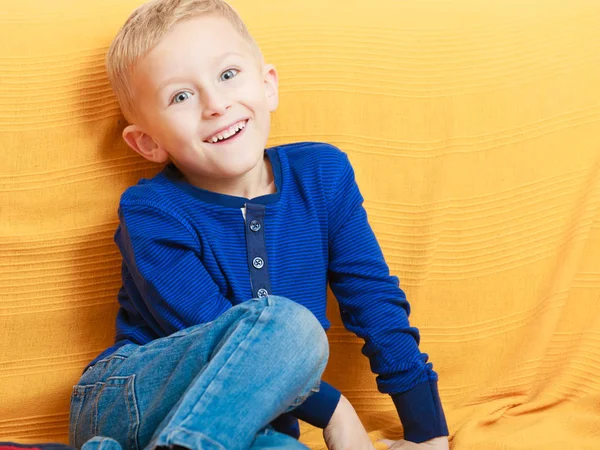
(144, 29)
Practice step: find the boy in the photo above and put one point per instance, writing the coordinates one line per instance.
(226, 257)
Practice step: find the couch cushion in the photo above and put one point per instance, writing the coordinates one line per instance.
(473, 129)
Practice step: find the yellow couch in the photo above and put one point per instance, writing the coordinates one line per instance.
(474, 129)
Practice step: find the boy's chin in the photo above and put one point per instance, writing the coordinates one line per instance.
(242, 166)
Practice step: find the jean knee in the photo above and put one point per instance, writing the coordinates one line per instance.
(301, 328)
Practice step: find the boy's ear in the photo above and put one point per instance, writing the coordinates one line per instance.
(271, 86)
(143, 144)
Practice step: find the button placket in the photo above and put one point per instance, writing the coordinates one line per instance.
(257, 250)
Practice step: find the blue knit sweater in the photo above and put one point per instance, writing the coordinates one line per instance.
(189, 255)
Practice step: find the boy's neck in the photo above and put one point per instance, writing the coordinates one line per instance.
(255, 183)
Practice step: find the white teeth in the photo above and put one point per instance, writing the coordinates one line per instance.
(228, 133)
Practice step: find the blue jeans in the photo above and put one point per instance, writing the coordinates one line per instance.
(211, 386)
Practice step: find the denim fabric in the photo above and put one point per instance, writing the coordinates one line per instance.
(211, 386)
(265, 439)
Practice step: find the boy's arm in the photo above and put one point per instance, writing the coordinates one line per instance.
(375, 308)
(162, 256)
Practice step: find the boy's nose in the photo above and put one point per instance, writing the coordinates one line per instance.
(214, 103)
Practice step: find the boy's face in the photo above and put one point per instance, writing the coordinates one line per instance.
(203, 78)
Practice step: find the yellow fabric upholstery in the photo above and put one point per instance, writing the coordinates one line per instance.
(473, 127)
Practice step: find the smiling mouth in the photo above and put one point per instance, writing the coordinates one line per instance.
(229, 134)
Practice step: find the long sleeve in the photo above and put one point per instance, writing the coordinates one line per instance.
(161, 256)
(316, 410)
(375, 308)
(319, 407)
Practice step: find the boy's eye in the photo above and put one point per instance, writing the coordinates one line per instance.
(229, 74)
(181, 97)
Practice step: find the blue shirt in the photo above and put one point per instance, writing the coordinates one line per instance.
(190, 254)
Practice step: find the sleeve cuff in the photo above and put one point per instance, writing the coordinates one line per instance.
(319, 407)
(421, 413)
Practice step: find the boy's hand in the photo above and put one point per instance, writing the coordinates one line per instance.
(345, 431)
(440, 443)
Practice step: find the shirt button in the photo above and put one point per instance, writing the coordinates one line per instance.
(262, 293)
(255, 225)
(258, 263)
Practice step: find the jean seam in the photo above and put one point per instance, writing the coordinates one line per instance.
(110, 358)
(133, 424)
(94, 430)
(133, 412)
(73, 432)
(201, 436)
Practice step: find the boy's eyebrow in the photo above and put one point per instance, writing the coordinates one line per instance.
(168, 82)
(216, 59)
(225, 55)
